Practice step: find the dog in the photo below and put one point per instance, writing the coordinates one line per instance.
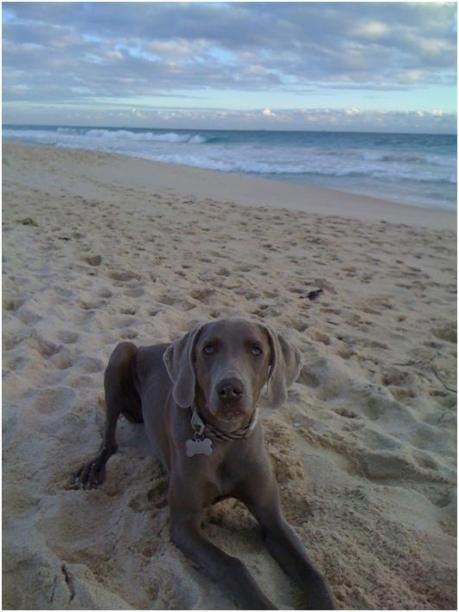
(197, 397)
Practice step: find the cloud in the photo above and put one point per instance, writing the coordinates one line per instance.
(372, 30)
(352, 119)
(77, 52)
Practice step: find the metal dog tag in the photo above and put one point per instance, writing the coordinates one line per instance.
(198, 447)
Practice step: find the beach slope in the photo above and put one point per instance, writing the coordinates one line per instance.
(100, 248)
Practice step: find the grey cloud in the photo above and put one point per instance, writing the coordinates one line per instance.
(73, 50)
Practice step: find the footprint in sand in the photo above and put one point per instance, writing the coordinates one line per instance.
(135, 292)
(129, 334)
(119, 321)
(124, 276)
(28, 316)
(67, 337)
(44, 347)
(14, 337)
(104, 292)
(446, 331)
(128, 310)
(62, 360)
(54, 401)
(52, 408)
(203, 295)
(321, 337)
(11, 304)
(266, 311)
(299, 324)
(382, 465)
(395, 376)
(346, 413)
(346, 352)
(175, 298)
(90, 365)
(308, 377)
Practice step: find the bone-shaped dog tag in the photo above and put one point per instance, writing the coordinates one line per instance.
(198, 447)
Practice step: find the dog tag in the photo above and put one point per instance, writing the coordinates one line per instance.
(198, 447)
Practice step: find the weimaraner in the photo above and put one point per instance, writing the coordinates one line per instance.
(198, 399)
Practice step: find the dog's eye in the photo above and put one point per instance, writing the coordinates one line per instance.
(209, 349)
(256, 350)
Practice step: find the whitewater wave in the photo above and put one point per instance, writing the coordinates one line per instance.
(106, 135)
(423, 166)
(172, 137)
(313, 166)
(409, 158)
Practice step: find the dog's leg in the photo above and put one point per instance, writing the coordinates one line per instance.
(284, 545)
(186, 502)
(120, 397)
(228, 571)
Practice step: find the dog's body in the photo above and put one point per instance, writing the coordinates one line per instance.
(216, 373)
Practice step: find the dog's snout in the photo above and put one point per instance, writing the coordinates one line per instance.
(230, 389)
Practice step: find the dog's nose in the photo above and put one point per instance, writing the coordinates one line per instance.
(230, 389)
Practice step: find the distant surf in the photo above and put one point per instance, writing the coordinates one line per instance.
(417, 169)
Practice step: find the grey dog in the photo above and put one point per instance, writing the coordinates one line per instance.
(198, 398)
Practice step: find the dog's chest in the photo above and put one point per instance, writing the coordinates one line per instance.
(223, 482)
(218, 475)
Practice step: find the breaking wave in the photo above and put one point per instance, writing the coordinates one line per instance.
(422, 164)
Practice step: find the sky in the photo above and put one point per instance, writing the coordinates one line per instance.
(295, 66)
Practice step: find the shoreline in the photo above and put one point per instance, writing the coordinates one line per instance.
(254, 191)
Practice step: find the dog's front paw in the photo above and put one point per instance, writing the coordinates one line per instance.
(89, 476)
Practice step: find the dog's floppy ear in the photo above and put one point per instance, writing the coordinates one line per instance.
(178, 359)
(285, 366)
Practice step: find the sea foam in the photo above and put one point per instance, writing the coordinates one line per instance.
(412, 168)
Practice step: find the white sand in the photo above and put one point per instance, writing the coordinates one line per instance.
(98, 248)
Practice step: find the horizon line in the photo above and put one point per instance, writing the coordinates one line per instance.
(318, 130)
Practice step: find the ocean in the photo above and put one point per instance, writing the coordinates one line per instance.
(416, 169)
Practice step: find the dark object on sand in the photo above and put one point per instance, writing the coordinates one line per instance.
(313, 295)
(29, 221)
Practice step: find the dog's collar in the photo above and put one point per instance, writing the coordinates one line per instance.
(202, 429)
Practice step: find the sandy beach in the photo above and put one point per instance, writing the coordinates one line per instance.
(99, 248)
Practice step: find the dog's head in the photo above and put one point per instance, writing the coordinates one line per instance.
(221, 366)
